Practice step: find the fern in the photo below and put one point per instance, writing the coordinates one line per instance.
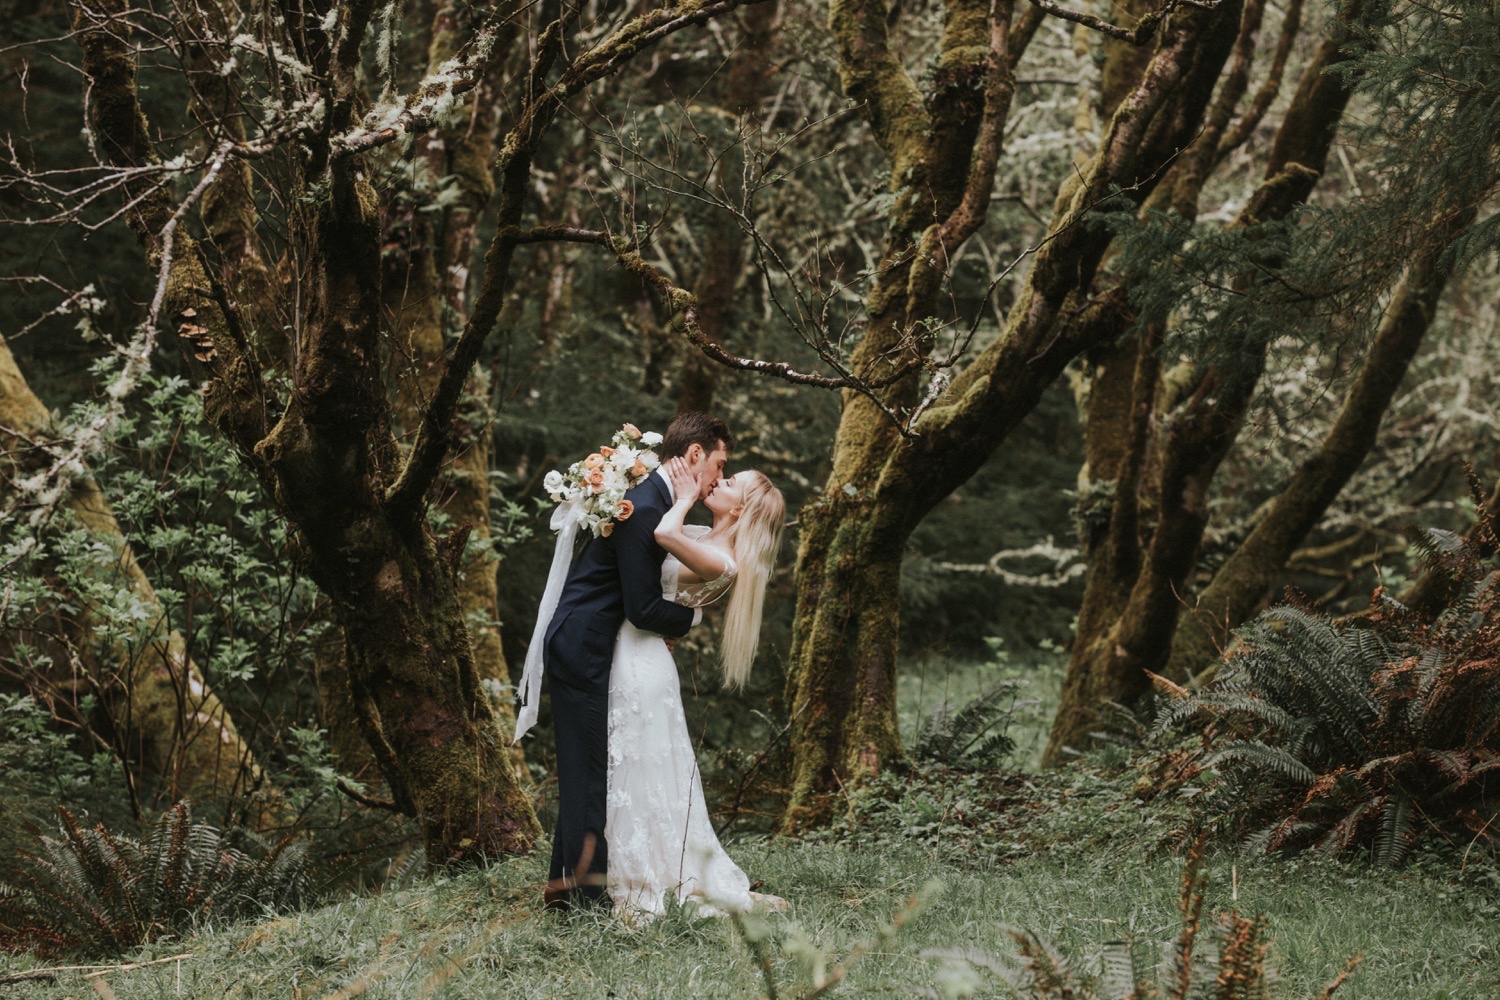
(94, 892)
(1335, 737)
(975, 737)
(1264, 757)
(1395, 835)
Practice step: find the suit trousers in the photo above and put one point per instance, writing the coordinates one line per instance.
(580, 721)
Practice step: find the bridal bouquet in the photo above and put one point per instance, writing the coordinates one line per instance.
(597, 484)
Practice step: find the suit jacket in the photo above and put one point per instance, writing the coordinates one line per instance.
(612, 580)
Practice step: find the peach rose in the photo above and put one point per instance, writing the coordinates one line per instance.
(606, 528)
(626, 509)
(606, 451)
(595, 478)
(632, 431)
(639, 469)
(593, 461)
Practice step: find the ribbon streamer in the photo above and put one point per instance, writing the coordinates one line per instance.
(565, 521)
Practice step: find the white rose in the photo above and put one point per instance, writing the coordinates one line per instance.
(552, 482)
(650, 439)
(649, 459)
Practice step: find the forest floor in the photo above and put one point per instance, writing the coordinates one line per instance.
(880, 908)
(486, 935)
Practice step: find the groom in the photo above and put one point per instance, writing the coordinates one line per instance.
(614, 578)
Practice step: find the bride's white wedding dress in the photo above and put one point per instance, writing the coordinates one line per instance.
(661, 843)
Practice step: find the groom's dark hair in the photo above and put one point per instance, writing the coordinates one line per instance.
(693, 427)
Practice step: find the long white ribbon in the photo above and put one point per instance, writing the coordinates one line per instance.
(565, 521)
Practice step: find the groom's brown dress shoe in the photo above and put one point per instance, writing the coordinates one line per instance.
(555, 897)
(564, 895)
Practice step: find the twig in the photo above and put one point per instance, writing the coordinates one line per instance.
(835, 975)
(758, 948)
(91, 970)
(1137, 35)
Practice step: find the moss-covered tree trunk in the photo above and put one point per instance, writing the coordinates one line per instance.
(1247, 578)
(409, 658)
(329, 463)
(168, 724)
(943, 155)
(1149, 490)
(328, 456)
(427, 259)
(842, 674)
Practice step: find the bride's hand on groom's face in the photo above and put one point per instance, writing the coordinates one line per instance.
(684, 483)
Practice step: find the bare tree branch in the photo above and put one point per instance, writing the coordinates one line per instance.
(1137, 35)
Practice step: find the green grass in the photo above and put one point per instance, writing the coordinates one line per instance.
(1073, 855)
(484, 934)
(930, 682)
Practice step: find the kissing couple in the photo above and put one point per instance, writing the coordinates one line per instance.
(632, 827)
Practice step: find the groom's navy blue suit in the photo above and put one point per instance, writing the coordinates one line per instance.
(611, 580)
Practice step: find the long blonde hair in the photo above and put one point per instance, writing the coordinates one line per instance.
(756, 539)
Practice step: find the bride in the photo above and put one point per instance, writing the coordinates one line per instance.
(661, 843)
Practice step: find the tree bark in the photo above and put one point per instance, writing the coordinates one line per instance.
(327, 462)
(1160, 500)
(427, 285)
(881, 486)
(842, 673)
(228, 211)
(166, 720)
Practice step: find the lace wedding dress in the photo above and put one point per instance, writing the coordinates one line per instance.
(661, 843)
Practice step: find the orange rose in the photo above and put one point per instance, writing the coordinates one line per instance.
(639, 469)
(626, 509)
(606, 451)
(593, 461)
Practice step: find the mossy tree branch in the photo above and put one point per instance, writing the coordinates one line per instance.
(1132, 607)
(1155, 120)
(842, 675)
(539, 108)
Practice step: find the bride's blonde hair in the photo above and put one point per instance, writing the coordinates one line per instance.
(756, 539)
